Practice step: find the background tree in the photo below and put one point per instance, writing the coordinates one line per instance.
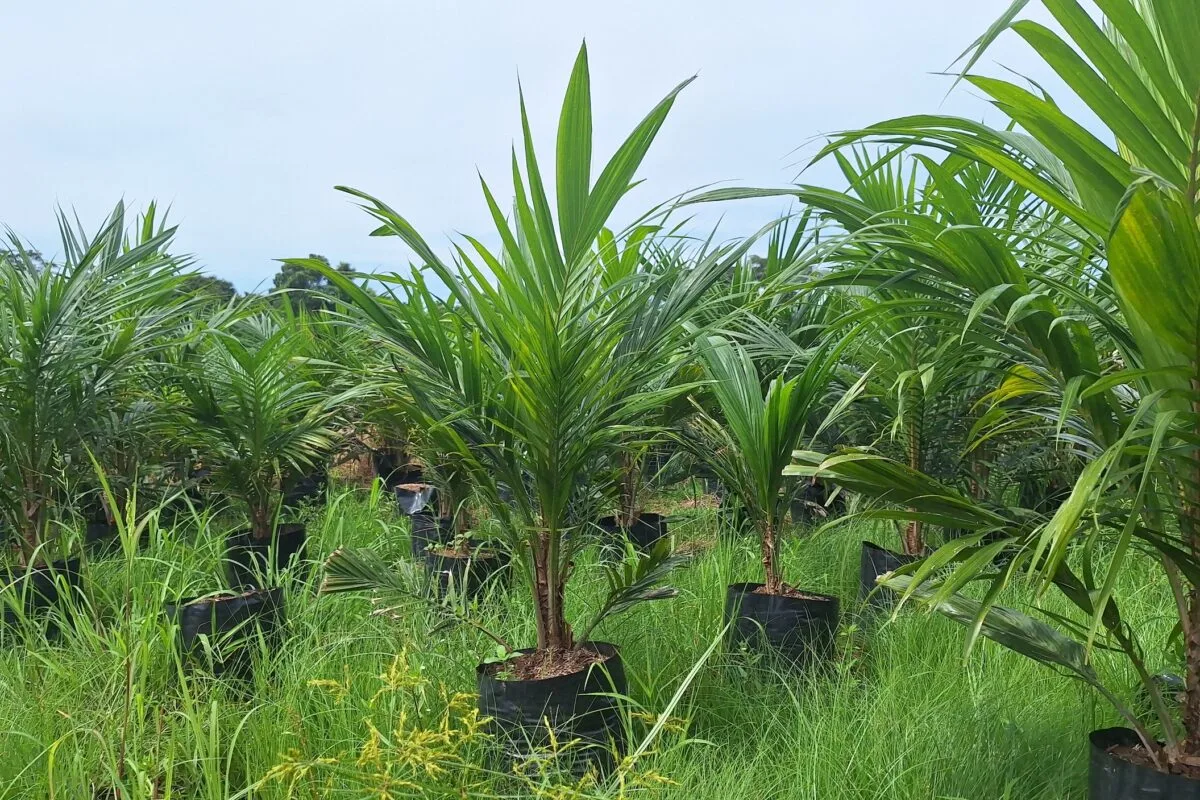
(305, 286)
(208, 289)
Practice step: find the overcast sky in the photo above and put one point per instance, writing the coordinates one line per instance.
(243, 116)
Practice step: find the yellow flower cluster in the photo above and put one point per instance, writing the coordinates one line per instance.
(422, 740)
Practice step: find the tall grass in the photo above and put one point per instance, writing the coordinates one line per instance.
(109, 705)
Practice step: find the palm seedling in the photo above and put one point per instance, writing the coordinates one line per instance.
(329, 343)
(1120, 272)
(125, 447)
(447, 534)
(70, 334)
(530, 378)
(919, 375)
(375, 426)
(758, 432)
(127, 437)
(533, 371)
(648, 252)
(255, 410)
(748, 449)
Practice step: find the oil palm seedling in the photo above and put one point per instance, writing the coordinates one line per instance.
(921, 242)
(327, 343)
(395, 457)
(632, 471)
(449, 536)
(255, 410)
(124, 438)
(69, 333)
(921, 383)
(375, 429)
(920, 371)
(1127, 280)
(620, 262)
(533, 372)
(748, 450)
(778, 318)
(130, 441)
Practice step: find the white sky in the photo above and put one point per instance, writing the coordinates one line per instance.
(242, 116)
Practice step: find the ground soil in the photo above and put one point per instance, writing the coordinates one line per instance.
(1188, 767)
(354, 468)
(450, 552)
(694, 547)
(790, 592)
(542, 664)
(705, 501)
(225, 598)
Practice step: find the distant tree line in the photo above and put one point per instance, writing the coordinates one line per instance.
(303, 287)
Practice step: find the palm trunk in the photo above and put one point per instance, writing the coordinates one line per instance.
(1191, 709)
(1191, 510)
(629, 490)
(914, 538)
(553, 632)
(980, 472)
(770, 560)
(32, 513)
(260, 522)
(29, 545)
(1191, 525)
(541, 594)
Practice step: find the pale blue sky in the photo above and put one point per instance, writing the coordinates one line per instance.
(242, 116)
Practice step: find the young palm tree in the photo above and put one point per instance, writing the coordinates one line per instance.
(1128, 235)
(69, 334)
(646, 254)
(919, 376)
(534, 369)
(753, 443)
(254, 410)
(125, 439)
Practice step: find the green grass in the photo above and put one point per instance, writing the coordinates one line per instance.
(900, 716)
